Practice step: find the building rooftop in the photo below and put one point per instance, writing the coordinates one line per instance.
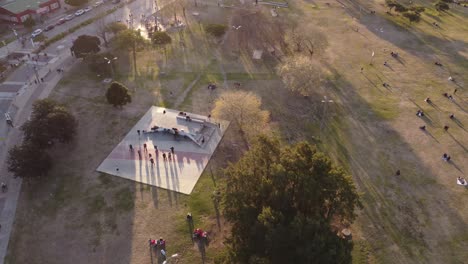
(17, 6)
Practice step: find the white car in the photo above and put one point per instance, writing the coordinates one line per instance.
(98, 3)
(79, 12)
(36, 33)
(87, 9)
(69, 17)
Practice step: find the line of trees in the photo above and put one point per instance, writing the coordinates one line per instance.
(49, 123)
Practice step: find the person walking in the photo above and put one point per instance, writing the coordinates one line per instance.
(152, 161)
(4, 187)
(144, 147)
(172, 150)
(130, 147)
(138, 131)
(164, 156)
(139, 154)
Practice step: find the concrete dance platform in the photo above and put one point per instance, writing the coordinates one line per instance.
(193, 137)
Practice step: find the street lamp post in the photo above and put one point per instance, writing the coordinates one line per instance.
(109, 61)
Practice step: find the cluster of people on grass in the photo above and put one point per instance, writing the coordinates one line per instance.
(428, 100)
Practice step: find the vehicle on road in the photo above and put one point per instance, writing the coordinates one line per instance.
(61, 21)
(87, 9)
(49, 27)
(79, 12)
(36, 33)
(98, 3)
(69, 17)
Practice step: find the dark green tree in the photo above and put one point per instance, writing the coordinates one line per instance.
(130, 39)
(412, 16)
(161, 39)
(28, 161)
(29, 23)
(442, 6)
(281, 203)
(85, 45)
(118, 95)
(76, 2)
(49, 122)
(99, 65)
(216, 30)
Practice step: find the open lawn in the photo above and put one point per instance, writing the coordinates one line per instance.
(371, 130)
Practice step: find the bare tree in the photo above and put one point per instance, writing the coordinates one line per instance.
(243, 110)
(301, 74)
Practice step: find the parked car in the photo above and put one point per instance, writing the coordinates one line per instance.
(36, 33)
(61, 21)
(98, 3)
(87, 9)
(49, 27)
(69, 17)
(79, 12)
(115, 1)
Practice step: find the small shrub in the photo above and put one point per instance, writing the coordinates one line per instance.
(216, 30)
(442, 6)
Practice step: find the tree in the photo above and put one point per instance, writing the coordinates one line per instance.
(28, 161)
(29, 23)
(391, 4)
(243, 109)
(130, 39)
(216, 30)
(85, 45)
(301, 74)
(417, 9)
(116, 27)
(76, 2)
(161, 39)
(117, 94)
(282, 202)
(400, 8)
(49, 122)
(99, 65)
(412, 16)
(442, 6)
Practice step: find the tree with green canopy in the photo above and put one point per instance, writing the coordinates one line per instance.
(133, 40)
(161, 39)
(118, 95)
(29, 23)
(282, 202)
(49, 122)
(85, 45)
(28, 161)
(99, 63)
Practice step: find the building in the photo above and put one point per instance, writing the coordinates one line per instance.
(17, 11)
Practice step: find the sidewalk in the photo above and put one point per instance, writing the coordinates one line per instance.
(9, 199)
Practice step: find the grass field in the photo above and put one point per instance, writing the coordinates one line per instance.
(369, 129)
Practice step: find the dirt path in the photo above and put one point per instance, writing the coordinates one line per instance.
(187, 90)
